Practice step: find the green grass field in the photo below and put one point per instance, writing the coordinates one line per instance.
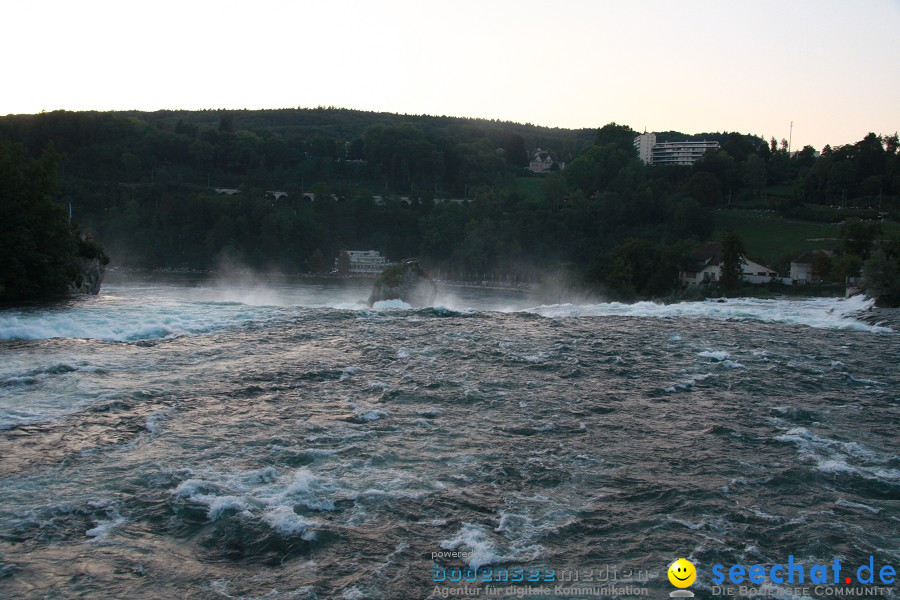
(767, 236)
(770, 237)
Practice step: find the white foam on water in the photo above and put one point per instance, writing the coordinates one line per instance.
(103, 527)
(718, 355)
(123, 323)
(153, 419)
(220, 504)
(864, 381)
(825, 313)
(349, 372)
(685, 523)
(370, 415)
(529, 519)
(391, 305)
(319, 452)
(284, 520)
(279, 499)
(392, 494)
(836, 457)
(475, 539)
(367, 413)
(260, 494)
(857, 505)
(688, 384)
(140, 313)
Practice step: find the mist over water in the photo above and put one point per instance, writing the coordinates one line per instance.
(150, 307)
(260, 437)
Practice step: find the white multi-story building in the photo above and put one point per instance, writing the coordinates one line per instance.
(364, 262)
(644, 144)
(671, 153)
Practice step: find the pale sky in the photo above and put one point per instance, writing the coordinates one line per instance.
(832, 67)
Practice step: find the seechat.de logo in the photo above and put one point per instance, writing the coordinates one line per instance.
(794, 572)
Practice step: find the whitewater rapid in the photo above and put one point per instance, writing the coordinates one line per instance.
(174, 438)
(173, 311)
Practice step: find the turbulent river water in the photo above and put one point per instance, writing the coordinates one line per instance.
(174, 438)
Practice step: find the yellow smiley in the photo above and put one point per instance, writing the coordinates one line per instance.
(682, 573)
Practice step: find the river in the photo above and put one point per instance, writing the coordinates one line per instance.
(176, 437)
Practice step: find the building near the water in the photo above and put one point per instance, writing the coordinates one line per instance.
(682, 154)
(803, 266)
(707, 268)
(363, 262)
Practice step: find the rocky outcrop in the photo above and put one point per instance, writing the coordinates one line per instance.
(89, 278)
(407, 282)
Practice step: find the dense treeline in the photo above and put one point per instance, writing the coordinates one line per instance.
(865, 174)
(452, 191)
(40, 250)
(290, 148)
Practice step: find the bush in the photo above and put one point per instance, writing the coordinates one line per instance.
(881, 278)
(92, 249)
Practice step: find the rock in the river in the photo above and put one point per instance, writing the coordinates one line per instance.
(407, 282)
(89, 278)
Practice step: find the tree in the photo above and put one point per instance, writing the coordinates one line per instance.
(722, 165)
(881, 278)
(705, 188)
(820, 268)
(732, 259)
(858, 237)
(356, 150)
(226, 122)
(891, 144)
(514, 151)
(38, 247)
(316, 262)
(620, 136)
(344, 263)
(754, 173)
(132, 166)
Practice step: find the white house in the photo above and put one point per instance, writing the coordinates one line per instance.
(707, 268)
(802, 267)
(542, 162)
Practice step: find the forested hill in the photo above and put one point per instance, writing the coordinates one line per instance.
(185, 188)
(280, 147)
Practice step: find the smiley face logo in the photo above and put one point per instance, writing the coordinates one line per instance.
(682, 573)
